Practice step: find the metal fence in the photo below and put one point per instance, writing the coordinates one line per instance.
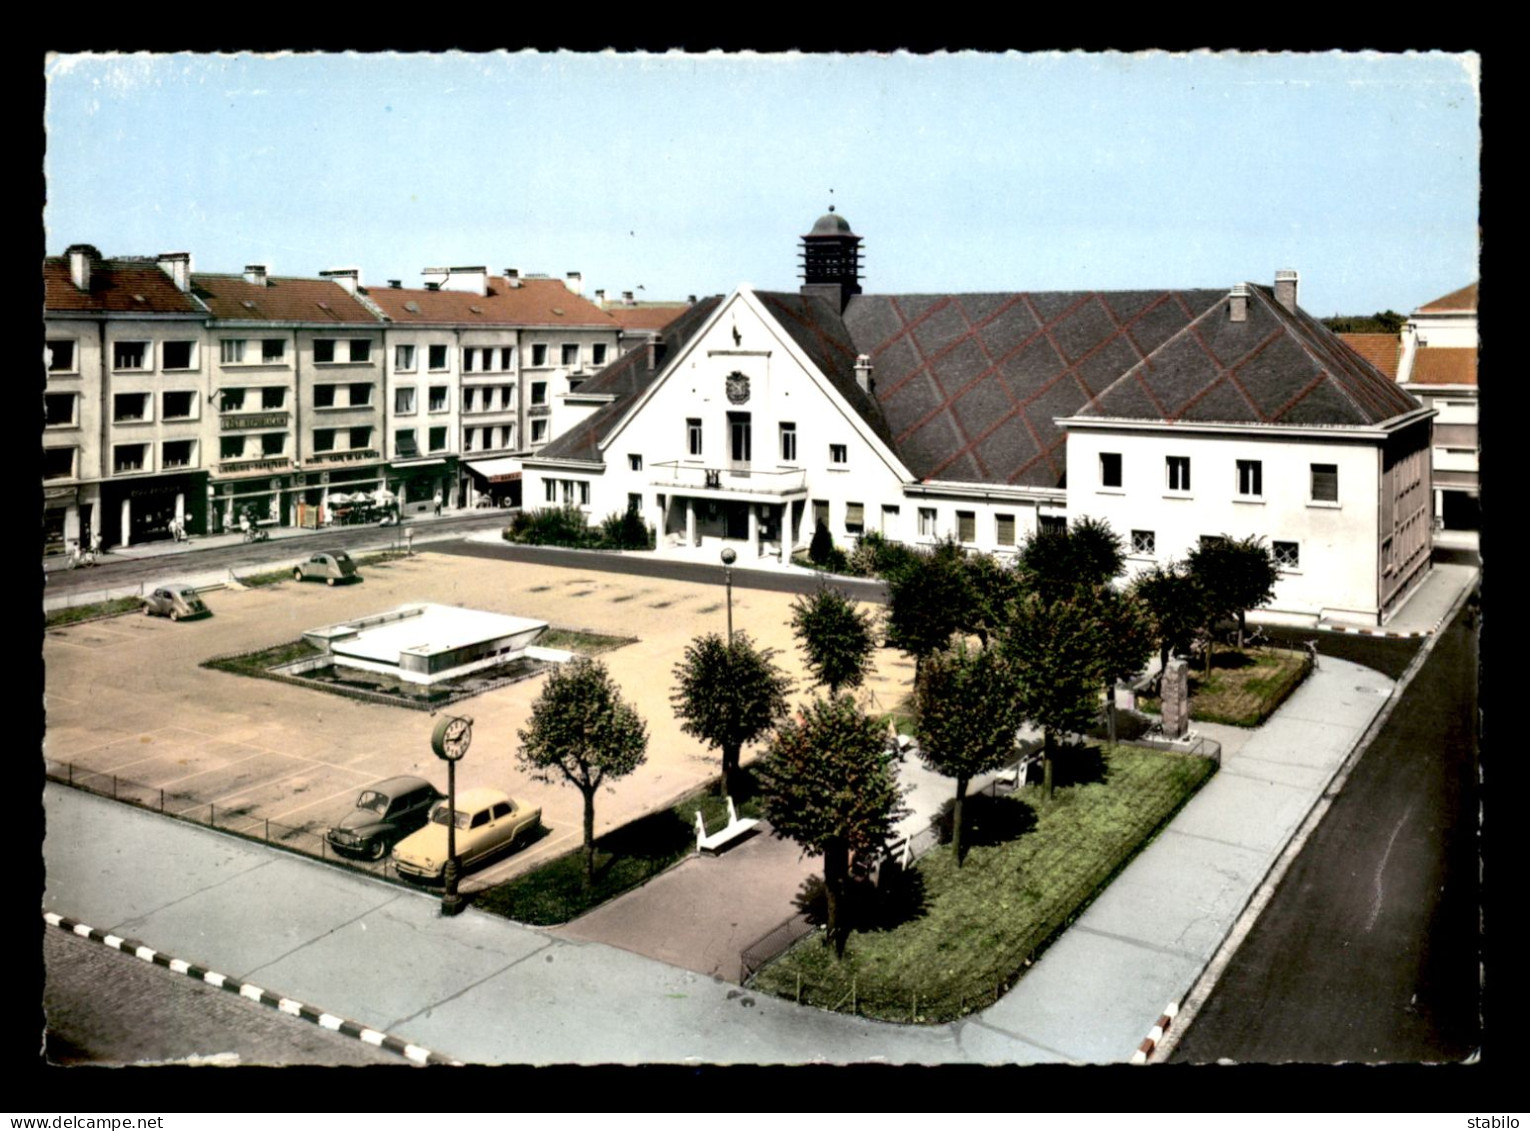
(774, 942)
(235, 819)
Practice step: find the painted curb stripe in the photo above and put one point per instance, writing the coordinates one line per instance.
(1155, 1034)
(255, 993)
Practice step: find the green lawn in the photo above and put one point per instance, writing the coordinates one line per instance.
(584, 643)
(951, 940)
(1244, 688)
(58, 618)
(259, 663)
(624, 859)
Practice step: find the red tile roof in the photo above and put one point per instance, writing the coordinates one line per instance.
(286, 299)
(536, 302)
(117, 286)
(650, 316)
(1380, 350)
(1438, 365)
(1464, 299)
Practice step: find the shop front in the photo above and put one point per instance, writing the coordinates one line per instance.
(418, 482)
(492, 483)
(146, 510)
(297, 498)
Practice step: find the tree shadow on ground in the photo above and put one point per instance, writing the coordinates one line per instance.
(986, 821)
(1130, 726)
(1230, 659)
(1079, 764)
(892, 896)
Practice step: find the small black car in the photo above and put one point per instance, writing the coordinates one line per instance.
(385, 813)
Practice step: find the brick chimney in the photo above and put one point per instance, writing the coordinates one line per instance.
(347, 277)
(1237, 303)
(255, 275)
(1285, 289)
(574, 281)
(82, 259)
(176, 264)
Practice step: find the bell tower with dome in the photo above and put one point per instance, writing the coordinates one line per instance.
(831, 260)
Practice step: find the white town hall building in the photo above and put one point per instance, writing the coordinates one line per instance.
(1174, 415)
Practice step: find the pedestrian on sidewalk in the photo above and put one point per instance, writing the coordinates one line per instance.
(438, 503)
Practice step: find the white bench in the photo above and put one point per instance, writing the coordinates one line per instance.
(724, 836)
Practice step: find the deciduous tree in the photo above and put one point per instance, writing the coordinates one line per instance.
(927, 601)
(837, 637)
(1087, 553)
(830, 784)
(1236, 574)
(1173, 603)
(728, 693)
(969, 711)
(582, 732)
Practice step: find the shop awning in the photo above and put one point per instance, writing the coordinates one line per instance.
(504, 470)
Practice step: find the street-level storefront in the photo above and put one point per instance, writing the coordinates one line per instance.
(294, 498)
(68, 514)
(417, 483)
(492, 482)
(143, 510)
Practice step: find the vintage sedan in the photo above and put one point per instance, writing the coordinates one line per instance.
(330, 567)
(487, 821)
(385, 813)
(175, 600)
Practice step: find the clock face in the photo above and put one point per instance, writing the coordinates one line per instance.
(451, 738)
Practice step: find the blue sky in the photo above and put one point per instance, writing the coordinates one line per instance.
(691, 174)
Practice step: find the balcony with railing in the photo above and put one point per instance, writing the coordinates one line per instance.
(730, 482)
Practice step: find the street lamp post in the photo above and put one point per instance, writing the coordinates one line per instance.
(728, 558)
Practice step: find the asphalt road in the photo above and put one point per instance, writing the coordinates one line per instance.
(1369, 949)
(105, 1007)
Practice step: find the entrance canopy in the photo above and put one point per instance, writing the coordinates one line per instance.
(504, 470)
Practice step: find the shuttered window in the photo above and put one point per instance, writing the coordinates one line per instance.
(855, 518)
(1005, 525)
(966, 526)
(1325, 483)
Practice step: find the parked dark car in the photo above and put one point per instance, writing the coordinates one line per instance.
(331, 567)
(385, 813)
(175, 600)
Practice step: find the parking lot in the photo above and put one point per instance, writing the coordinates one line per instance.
(127, 696)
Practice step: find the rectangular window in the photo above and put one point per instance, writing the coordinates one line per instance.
(129, 407)
(61, 360)
(129, 457)
(178, 355)
(467, 439)
(568, 491)
(839, 453)
(470, 396)
(741, 437)
(323, 439)
(178, 405)
(1004, 529)
(926, 522)
(1178, 470)
(438, 398)
(570, 355)
(404, 443)
(361, 395)
(507, 357)
(323, 350)
(506, 398)
(58, 409)
(855, 518)
(361, 438)
(361, 349)
(1144, 542)
(438, 357)
(538, 432)
(231, 400)
(693, 435)
(231, 351)
(634, 463)
(231, 447)
(889, 520)
(469, 360)
(1110, 469)
(58, 463)
(1251, 478)
(966, 526)
(273, 351)
(539, 355)
(1325, 483)
(273, 443)
(273, 397)
(820, 513)
(403, 359)
(324, 396)
(1051, 524)
(788, 443)
(403, 401)
(539, 392)
(634, 502)
(1288, 555)
(584, 492)
(130, 355)
(438, 439)
(550, 490)
(598, 354)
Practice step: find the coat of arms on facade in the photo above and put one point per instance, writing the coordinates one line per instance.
(737, 388)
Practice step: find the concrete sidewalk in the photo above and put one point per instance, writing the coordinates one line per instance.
(480, 989)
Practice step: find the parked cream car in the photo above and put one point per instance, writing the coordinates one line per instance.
(487, 821)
